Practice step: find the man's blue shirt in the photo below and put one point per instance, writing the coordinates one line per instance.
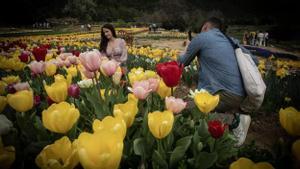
(218, 65)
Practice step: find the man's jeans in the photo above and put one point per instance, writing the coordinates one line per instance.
(229, 102)
(228, 105)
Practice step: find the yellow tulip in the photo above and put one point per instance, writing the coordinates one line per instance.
(116, 124)
(160, 123)
(127, 110)
(59, 78)
(50, 69)
(163, 90)
(116, 77)
(2, 87)
(102, 93)
(59, 155)
(136, 74)
(21, 101)
(69, 79)
(7, 156)
(150, 74)
(206, 102)
(11, 79)
(49, 56)
(289, 119)
(282, 72)
(101, 150)
(60, 117)
(245, 163)
(72, 71)
(3, 102)
(58, 91)
(296, 149)
(132, 98)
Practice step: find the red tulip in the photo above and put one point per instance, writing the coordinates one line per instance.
(39, 53)
(37, 100)
(24, 57)
(170, 72)
(76, 52)
(49, 101)
(10, 89)
(216, 128)
(74, 90)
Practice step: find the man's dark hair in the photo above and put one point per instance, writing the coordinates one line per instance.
(217, 23)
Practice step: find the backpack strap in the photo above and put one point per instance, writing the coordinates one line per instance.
(234, 45)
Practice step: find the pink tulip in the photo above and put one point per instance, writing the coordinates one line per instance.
(175, 105)
(67, 63)
(59, 62)
(88, 74)
(108, 68)
(64, 56)
(74, 90)
(154, 83)
(73, 60)
(90, 60)
(37, 67)
(22, 86)
(141, 89)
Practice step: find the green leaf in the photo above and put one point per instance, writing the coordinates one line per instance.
(42, 133)
(157, 158)
(181, 147)
(205, 160)
(203, 128)
(95, 101)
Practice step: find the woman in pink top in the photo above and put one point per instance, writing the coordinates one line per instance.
(111, 46)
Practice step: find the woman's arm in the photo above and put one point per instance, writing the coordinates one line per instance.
(123, 57)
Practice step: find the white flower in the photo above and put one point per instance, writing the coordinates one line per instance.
(193, 93)
(195, 67)
(85, 83)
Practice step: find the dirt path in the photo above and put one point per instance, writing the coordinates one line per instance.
(161, 43)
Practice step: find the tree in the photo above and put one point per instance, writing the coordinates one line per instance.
(84, 10)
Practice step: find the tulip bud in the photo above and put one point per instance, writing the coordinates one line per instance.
(10, 89)
(216, 128)
(74, 90)
(199, 146)
(37, 100)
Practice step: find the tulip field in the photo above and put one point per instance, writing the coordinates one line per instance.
(65, 106)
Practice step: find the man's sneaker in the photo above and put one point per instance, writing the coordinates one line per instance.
(241, 131)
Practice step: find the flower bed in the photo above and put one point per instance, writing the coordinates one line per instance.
(67, 107)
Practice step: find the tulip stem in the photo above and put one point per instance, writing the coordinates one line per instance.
(98, 88)
(215, 144)
(160, 148)
(172, 91)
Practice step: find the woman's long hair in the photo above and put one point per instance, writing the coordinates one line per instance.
(104, 40)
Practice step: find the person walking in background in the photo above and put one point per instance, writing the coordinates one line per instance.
(246, 38)
(252, 37)
(260, 38)
(266, 39)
